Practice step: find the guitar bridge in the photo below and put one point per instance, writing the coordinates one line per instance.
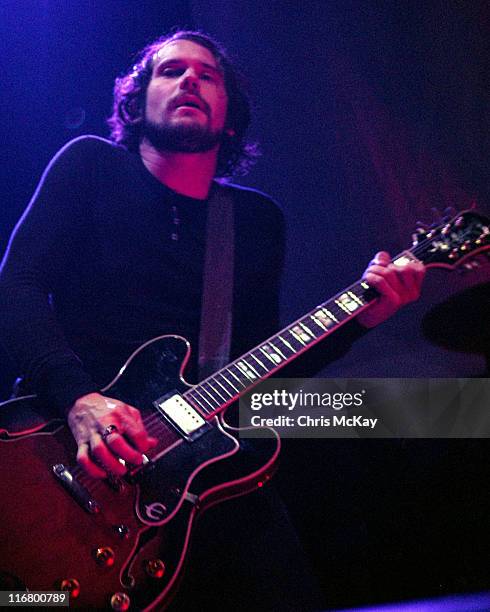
(182, 416)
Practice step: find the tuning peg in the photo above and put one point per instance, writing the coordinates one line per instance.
(449, 213)
(417, 235)
(437, 216)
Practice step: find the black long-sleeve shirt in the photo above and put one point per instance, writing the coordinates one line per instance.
(92, 271)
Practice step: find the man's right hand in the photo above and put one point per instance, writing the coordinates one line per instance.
(107, 430)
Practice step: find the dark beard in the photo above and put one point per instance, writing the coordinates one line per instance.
(181, 138)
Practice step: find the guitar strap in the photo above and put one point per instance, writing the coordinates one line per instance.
(217, 298)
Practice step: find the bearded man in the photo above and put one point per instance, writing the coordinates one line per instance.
(110, 253)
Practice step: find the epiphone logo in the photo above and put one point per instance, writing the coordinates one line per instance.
(155, 511)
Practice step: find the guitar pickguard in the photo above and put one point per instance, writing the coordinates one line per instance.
(164, 485)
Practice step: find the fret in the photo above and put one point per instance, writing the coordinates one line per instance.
(293, 340)
(270, 354)
(336, 311)
(357, 298)
(347, 302)
(274, 346)
(322, 320)
(230, 383)
(318, 322)
(342, 306)
(208, 382)
(215, 380)
(196, 390)
(359, 291)
(195, 400)
(299, 333)
(288, 344)
(206, 390)
(235, 376)
(329, 315)
(258, 361)
(307, 329)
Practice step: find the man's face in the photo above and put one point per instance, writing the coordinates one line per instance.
(186, 100)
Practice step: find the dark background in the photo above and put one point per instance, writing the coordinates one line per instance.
(369, 114)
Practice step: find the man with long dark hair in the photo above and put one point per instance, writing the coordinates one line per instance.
(111, 249)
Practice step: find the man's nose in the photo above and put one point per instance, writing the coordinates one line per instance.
(190, 81)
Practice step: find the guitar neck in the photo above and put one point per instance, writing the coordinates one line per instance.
(222, 388)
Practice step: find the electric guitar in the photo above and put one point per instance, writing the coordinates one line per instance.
(121, 543)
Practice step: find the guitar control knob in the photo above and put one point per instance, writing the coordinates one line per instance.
(105, 556)
(155, 568)
(120, 601)
(123, 531)
(72, 586)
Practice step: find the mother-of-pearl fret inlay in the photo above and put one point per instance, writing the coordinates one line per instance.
(301, 335)
(347, 302)
(322, 317)
(247, 369)
(271, 354)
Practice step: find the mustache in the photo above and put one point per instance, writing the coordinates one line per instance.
(175, 102)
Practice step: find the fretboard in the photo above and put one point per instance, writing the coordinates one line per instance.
(443, 246)
(223, 387)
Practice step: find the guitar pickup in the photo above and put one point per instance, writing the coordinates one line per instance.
(75, 489)
(182, 416)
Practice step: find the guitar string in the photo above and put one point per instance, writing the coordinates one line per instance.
(416, 250)
(155, 418)
(154, 422)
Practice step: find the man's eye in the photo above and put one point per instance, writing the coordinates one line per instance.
(207, 76)
(171, 72)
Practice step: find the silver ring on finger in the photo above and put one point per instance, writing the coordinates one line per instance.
(110, 429)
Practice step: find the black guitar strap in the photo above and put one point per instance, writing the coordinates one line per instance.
(217, 299)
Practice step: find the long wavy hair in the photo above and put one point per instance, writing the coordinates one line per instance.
(236, 155)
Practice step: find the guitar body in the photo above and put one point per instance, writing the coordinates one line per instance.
(123, 538)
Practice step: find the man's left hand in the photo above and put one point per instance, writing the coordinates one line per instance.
(396, 285)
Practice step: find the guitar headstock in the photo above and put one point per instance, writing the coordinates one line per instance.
(463, 238)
